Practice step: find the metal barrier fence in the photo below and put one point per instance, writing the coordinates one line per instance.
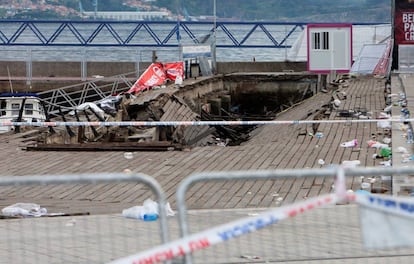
(54, 238)
(327, 234)
(332, 234)
(323, 228)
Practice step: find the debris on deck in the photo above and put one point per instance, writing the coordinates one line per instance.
(161, 104)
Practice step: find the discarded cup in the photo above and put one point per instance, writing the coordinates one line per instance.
(128, 155)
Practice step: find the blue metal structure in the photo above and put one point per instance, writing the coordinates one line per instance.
(146, 33)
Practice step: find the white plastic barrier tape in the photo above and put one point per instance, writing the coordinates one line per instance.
(225, 232)
(392, 215)
(198, 123)
(403, 206)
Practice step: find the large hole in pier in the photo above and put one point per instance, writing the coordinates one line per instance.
(248, 101)
(242, 98)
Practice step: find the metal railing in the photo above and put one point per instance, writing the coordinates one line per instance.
(283, 237)
(282, 232)
(74, 95)
(148, 33)
(78, 238)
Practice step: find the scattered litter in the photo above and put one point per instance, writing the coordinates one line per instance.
(24, 209)
(350, 144)
(128, 155)
(362, 192)
(392, 95)
(351, 163)
(376, 144)
(387, 140)
(386, 163)
(319, 135)
(92, 106)
(383, 115)
(384, 124)
(147, 212)
(345, 113)
(71, 222)
(410, 137)
(321, 162)
(386, 152)
(407, 159)
(250, 257)
(388, 109)
(365, 185)
(377, 156)
(252, 214)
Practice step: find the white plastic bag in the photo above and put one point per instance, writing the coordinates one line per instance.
(384, 124)
(24, 209)
(149, 207)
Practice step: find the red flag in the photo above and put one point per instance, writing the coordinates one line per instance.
(153, 76)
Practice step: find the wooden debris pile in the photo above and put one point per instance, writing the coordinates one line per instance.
(156, 105)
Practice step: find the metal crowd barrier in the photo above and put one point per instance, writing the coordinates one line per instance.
(325, 228)
(55, 238)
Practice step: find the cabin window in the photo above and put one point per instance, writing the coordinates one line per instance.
(28, 109)
(15, 109)
(3, 106)
(320, 40)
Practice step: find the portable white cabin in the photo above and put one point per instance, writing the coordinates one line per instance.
(329, 47)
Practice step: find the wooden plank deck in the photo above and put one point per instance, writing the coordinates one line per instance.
(271, 147)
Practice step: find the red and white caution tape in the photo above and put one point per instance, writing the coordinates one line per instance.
(225, 232)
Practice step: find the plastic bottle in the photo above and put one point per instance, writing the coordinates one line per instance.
(410, 138)
(150, 217)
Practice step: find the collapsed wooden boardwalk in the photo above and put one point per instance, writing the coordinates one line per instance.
(271, 147)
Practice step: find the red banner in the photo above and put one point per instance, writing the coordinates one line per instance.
(404, 22)
(174, 69)
(153, 76)
(157, 74)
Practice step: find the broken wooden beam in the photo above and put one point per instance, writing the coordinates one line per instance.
(108, 146)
